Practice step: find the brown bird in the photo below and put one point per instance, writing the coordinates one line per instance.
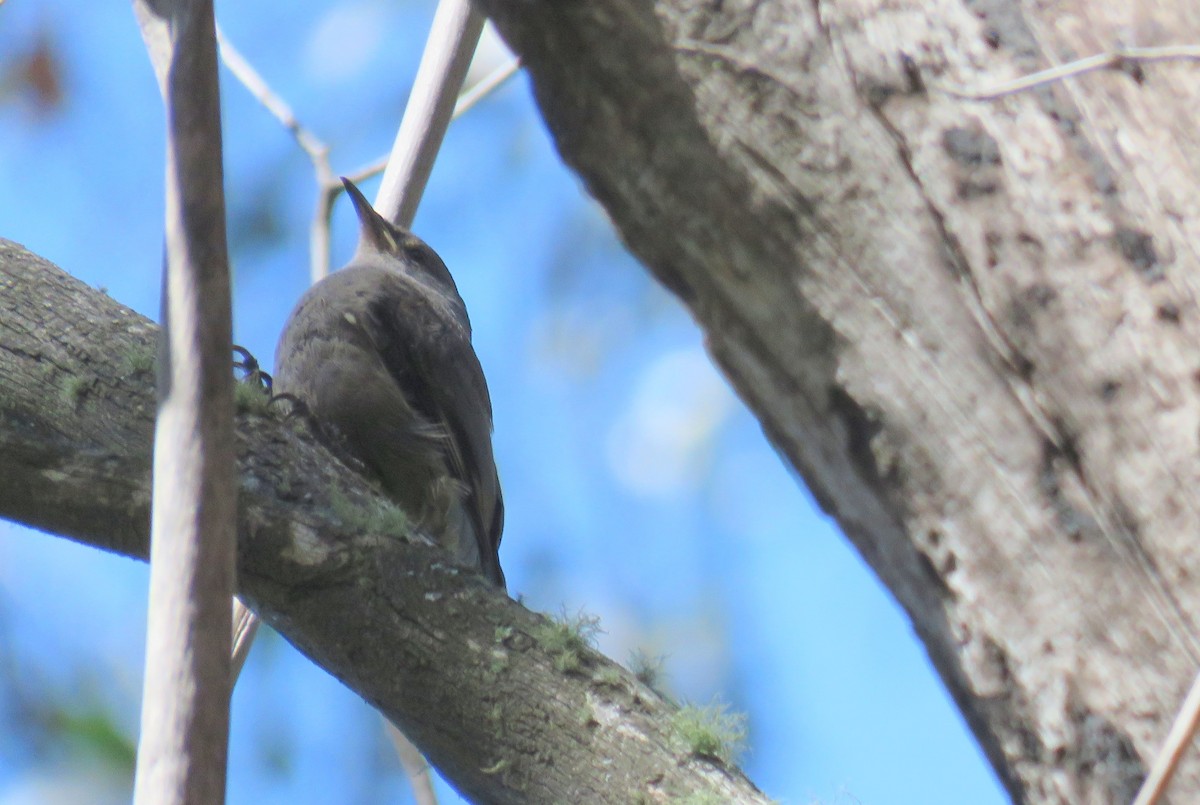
(380, 354)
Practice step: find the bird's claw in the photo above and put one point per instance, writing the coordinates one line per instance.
(299, 409)
(252, 373)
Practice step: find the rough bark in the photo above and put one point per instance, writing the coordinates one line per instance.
(970, 326)
(482, 686)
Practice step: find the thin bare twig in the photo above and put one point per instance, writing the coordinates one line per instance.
(484, 87)
(328, 185)
(448, 51)
(415, 766)
(465, 103)
(311, 144)
(318, 230)
(1114, 60)
(245, 73)
(1178, 740)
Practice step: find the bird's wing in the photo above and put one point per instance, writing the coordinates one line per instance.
(428, 351)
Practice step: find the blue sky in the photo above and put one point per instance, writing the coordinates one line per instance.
(638, 487)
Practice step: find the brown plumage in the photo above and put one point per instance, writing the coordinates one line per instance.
(380, 353)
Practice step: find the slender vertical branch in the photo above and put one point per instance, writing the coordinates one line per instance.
(185, 705)
(448, 51)
(466, 101)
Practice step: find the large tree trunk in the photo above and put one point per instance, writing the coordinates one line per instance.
(970, 326)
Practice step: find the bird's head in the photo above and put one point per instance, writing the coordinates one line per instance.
(400, 249)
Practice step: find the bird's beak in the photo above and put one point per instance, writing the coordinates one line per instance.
(375, 232)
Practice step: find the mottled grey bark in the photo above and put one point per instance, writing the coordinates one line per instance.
(970, 326)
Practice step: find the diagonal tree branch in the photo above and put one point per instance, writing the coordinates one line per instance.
(448, 51)
(503, 710)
